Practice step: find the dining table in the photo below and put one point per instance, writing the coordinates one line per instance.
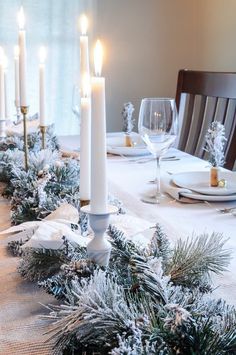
(22, 303)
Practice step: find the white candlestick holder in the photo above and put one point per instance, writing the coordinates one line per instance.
(2, 129)
(99, 248)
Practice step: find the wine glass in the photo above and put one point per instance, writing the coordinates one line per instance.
(158, 127)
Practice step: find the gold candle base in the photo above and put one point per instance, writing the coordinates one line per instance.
(214, 179)
(128, 141)
(43, 130)
(84, 203)
(24, 111)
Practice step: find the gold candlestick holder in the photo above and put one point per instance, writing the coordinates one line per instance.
(43, 130)
(24, 111)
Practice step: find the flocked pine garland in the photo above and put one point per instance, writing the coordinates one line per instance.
(149, 300)
(48, 183)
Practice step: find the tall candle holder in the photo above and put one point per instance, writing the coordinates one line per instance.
(43, 130)
(24, 111)
(99, 248)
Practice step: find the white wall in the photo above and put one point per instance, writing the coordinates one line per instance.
(216, 41)
(147, 42)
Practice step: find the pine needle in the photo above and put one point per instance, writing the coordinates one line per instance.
(194, 259)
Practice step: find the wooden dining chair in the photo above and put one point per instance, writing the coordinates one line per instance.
(201, 98)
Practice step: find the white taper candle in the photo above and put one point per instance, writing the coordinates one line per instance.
(85, 141)
(84, 51)
(42, 116)
(99, 191)
(6, 89)
(22, 59)
(2, 86)
(17, 83)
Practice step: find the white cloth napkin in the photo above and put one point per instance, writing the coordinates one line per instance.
(49, 235)
(175, 191)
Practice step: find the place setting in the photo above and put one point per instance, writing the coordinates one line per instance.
(211, 184)
(214, 184)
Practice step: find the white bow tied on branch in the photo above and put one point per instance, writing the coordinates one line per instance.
(49, 232)
(215, 142)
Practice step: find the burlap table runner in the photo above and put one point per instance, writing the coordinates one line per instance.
(21, 329)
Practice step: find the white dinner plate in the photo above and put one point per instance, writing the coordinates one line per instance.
(210, 198)
(200, 182)
(116, 145)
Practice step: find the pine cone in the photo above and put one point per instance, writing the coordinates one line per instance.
(83, 268)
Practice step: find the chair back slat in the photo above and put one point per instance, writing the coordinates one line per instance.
(221, 109)
(209, 113)
(195, 127)
(229, 118)
(209, 96)
(231, 147)
(186, 121)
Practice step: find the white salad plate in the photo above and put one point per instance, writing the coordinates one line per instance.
(116, 145)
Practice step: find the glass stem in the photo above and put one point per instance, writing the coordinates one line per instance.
(158, 187)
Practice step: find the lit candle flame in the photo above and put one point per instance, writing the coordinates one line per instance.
(21, 19)
(16, 52)
(42, 54)
(98, 58)
(86, 85)
(84, 24)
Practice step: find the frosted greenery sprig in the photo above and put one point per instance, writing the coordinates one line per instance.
(215, 141)
(34, 141)
(127, 115)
